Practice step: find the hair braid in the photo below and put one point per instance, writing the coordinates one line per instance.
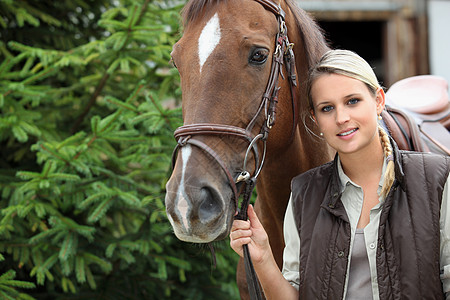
(389, 174)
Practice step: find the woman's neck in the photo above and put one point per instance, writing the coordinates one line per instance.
(364, 165)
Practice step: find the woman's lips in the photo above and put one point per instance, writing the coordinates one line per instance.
(347, 132)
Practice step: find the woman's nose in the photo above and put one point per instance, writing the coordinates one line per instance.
(342, 116)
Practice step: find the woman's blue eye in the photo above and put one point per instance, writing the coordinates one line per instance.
(327, 108)
(353, 101)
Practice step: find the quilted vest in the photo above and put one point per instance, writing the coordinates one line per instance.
(408, 234)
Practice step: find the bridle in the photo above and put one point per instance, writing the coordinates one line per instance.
(283, 54)
(186, 134)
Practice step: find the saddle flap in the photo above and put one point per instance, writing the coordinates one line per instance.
(403, 130)
(438, 135)
(424, 94)
(426, 137)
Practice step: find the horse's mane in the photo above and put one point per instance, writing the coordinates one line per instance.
(313, 40)
(314, 43)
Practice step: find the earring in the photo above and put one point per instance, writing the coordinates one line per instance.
(380, 117)
(321, 134)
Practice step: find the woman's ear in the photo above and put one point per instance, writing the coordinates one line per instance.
(380, 98)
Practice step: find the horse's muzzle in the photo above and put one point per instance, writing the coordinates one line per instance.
(198, 214)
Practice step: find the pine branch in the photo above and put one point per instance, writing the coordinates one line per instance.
(91, 103)
(161, 113)
(8, 285)
(106, 75)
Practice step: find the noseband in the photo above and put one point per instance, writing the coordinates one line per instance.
(186, 134)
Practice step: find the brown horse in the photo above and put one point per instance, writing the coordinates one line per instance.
(224, 59)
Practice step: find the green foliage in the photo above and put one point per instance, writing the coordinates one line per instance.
(8, 285)
(88, 106)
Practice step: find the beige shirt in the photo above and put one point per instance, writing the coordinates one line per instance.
(352, 199)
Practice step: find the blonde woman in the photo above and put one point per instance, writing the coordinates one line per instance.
(372, 224)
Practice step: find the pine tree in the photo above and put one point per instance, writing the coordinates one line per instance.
(87, 108)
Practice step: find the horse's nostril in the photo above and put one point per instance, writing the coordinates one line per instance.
(210, 207)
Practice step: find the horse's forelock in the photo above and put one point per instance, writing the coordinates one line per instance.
(195, 8)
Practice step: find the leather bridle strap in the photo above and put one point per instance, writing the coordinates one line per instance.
(213, 154)
(289, 63)
(275, 9)
(215, 129)
(185, 135)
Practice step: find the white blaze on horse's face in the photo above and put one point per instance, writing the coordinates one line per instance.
(209, 39)
(183, 206)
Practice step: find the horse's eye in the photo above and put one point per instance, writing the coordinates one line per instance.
(258, 56)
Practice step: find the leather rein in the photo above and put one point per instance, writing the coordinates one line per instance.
(186, 134)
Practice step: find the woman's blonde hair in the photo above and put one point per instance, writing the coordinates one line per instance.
(350, 64)
(343, 62)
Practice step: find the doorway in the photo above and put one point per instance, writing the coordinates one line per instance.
(363, 37)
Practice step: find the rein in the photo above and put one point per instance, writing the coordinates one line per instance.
(186, 134)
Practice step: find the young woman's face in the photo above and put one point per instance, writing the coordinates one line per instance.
(346, 113)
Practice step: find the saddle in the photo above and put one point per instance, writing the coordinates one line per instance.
(417, 114)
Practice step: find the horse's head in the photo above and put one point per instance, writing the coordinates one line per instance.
(224, 59)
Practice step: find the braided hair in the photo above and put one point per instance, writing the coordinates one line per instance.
(389, 174)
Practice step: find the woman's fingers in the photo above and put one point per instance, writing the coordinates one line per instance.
(240, 229)
(252, 233)
(254, 221)
(237, 244)
(240, 235)
(240, 224)
(258, 230)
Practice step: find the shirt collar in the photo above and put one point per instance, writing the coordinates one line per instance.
(345, 180)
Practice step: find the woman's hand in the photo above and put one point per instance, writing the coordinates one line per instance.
(252, 233)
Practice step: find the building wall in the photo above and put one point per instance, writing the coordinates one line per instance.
(439, 41)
